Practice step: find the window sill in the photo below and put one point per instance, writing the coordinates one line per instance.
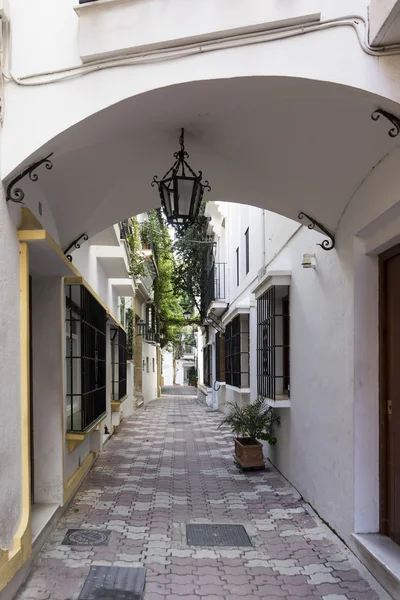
(238, 389)
(279, 403)
(92, 3)
(116, 404)
(75, 438)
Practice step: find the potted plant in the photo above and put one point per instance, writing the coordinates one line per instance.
(192, 376)
(251, 423)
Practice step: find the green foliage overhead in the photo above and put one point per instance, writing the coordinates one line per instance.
(192, 259)
(255, 421)
(166, 301)
(136, 259)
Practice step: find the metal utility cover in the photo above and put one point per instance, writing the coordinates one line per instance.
(86, 537)
(216, 535)
(179, 423)
(114, 583)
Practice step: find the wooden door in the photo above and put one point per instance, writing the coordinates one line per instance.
(390, 394)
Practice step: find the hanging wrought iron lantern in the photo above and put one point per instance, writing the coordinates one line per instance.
(181, 190)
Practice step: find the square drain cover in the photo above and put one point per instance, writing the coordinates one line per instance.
(86, 537)
(216, 535)
(114, 583)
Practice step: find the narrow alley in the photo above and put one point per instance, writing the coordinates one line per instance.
(170, 465)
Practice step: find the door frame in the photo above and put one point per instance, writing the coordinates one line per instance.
(383, 411)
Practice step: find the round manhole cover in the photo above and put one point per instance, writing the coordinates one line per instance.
(86, 537)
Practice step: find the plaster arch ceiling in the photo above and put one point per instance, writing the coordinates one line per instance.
(283, 144)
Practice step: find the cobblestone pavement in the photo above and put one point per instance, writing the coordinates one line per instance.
(154, 476)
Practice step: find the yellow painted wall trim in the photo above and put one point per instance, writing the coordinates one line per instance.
(28, 220)
(74, 439)
(71, 485)
(82, 281)
(28, 235)
(22, 546)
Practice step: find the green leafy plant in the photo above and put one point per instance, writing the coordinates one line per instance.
(130, 333)
(136, 260)
(192, 376)
(253, 421)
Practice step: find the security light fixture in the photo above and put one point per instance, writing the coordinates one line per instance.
(187, 314)
(181, 190)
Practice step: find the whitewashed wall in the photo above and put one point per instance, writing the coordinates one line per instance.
(168, 367)
(149, 378)
(10, 395)
(85, 260)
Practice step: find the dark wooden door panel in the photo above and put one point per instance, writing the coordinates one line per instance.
(391, 397)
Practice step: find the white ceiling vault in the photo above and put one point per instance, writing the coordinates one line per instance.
(284, 144)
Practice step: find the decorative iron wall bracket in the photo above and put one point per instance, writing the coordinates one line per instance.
(326, 244)
(395, 121)
(75, 244)
(16, 194)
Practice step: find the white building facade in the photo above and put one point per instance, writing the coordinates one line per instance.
(276, 100)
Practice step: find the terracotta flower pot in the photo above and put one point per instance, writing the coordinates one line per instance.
(249, 456)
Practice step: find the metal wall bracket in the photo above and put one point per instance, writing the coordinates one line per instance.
(17, 194)
(326, 244)
(395, 121)
(76, 244)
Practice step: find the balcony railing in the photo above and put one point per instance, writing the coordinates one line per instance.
(125, 230)
(216, 287)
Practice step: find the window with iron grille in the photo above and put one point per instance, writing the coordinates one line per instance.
(151, 323)
(118, 363)
(247, 244)
(220, 356)
(85, 358)
(237, 368)
(237, 267)
(207, 369)
(273, 343)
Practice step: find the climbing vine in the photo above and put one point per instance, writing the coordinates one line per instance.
(193, 256)
(167, 302)
(136, 258)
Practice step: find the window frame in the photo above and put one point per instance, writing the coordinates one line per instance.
(237, 351)
(90, 365)
(237, 266)
(118, 339)
(220, 356)
(207, 365)
(273, 343)
(247, 249)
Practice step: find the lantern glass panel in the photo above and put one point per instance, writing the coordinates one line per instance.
(167, 196)
(183, 199)
(198, 193)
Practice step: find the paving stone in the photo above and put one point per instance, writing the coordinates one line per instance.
(152, 479)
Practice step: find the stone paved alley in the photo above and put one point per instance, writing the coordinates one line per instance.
(169, 465)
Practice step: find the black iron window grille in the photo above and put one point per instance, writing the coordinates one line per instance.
(273, 343)
(247, 244)
(207, 362)
(118, 363)
(237, 343)
(216, 288)
(125, 230)
(152, 324)
(220, 356)
(85, 358)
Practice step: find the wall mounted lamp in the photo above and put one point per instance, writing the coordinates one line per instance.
(309, 261)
